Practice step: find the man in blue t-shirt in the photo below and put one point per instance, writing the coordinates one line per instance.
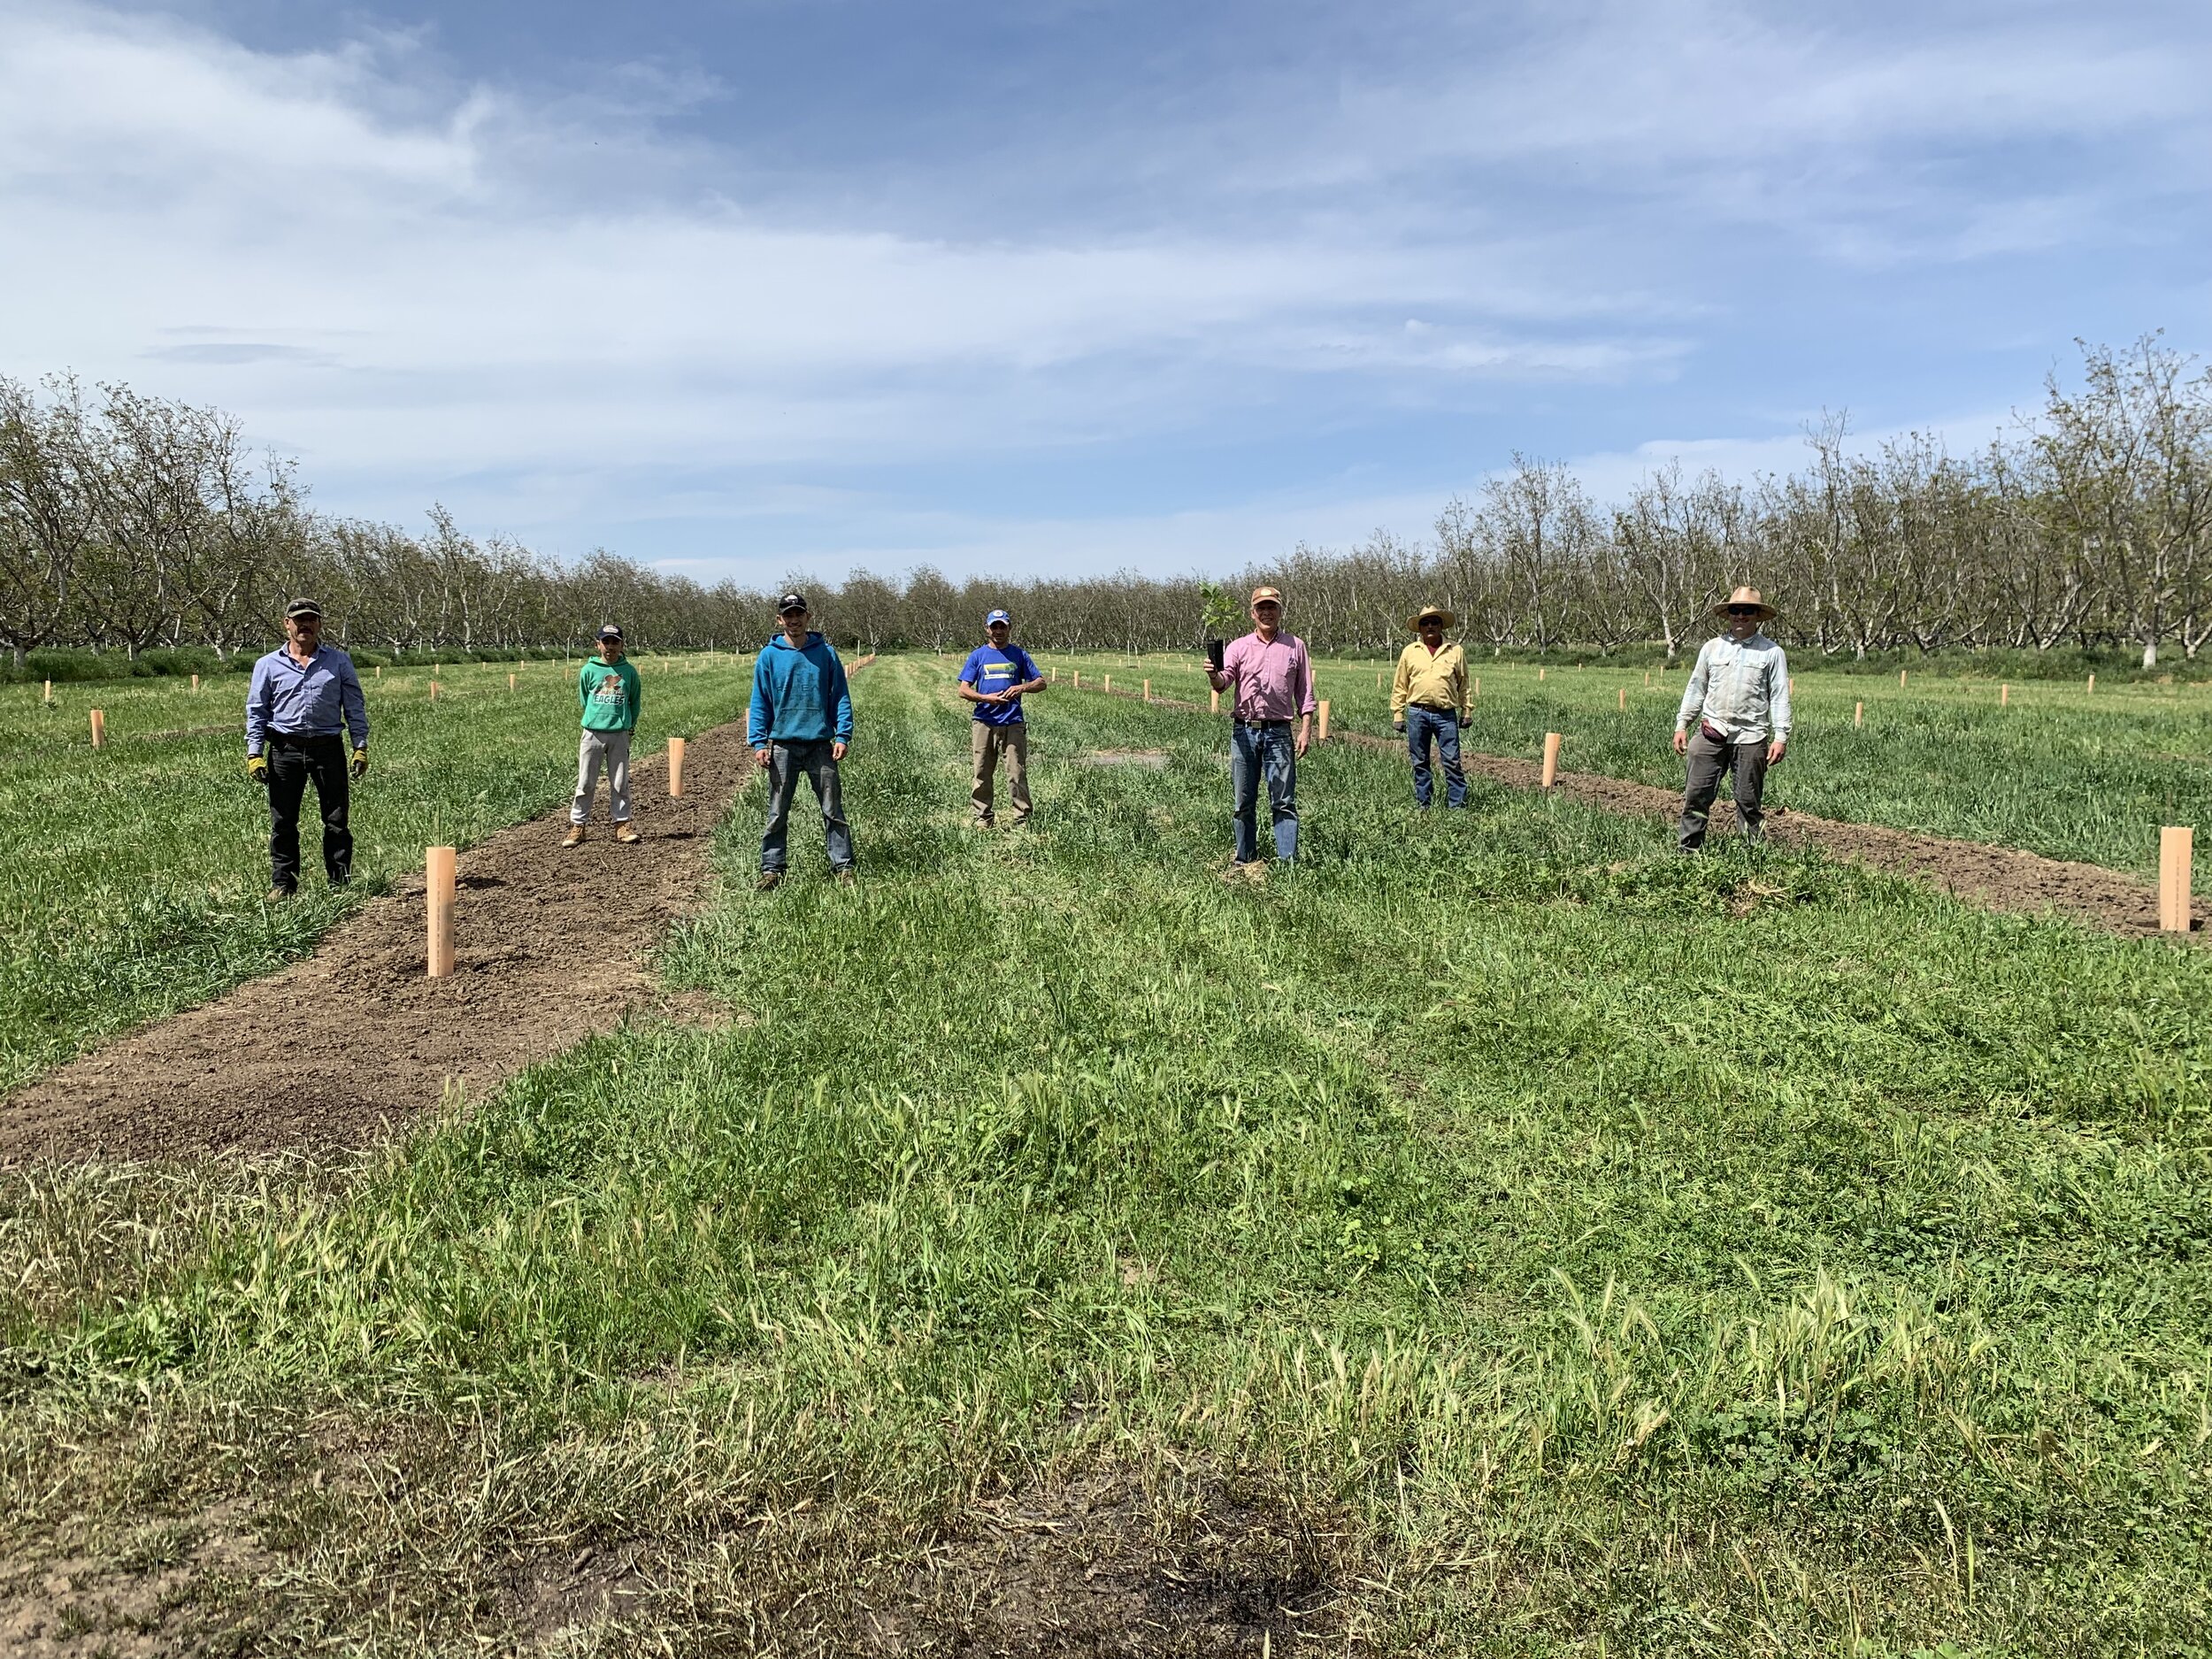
(995, 678)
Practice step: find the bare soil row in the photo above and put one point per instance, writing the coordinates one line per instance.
(1997, 878)
(551, 946)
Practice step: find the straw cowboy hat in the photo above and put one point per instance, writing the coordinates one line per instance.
(1745, 596)
(1425, 612)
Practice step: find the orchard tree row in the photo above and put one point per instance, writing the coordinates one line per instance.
(128, 522)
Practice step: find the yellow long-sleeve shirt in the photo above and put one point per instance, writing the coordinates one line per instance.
(1434, 680)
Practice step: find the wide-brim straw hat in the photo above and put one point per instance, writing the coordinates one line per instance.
(1745, 596)
(1426, 611)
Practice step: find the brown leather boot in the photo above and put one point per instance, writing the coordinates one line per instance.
(624, 833)
(575, 837)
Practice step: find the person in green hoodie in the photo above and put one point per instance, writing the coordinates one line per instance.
(800, 721)
(611, 696)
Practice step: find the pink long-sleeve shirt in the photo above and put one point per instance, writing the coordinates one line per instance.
(1273, 681)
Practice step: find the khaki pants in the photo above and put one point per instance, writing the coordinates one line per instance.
(989, 743)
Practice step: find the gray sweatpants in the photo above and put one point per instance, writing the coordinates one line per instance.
(611, 749)
(1708, 761)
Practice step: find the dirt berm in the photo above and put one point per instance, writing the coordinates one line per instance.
(2000, 878)
(550, 945)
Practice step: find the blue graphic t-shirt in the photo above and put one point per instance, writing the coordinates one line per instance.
(990, 669)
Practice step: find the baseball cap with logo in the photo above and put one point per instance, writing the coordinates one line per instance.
(998, 616)
(303, 608)
(1267, 595)
(610, 632)
(789, 602)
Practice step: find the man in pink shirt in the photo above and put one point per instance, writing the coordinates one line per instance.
(1272, 678)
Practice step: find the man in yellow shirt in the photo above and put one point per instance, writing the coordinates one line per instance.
(1428, 701)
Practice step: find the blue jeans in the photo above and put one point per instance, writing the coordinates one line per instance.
(785, 763)
(1272, 750)
(1421, 725)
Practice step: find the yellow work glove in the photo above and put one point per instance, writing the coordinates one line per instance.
(258, 768)
(360, 764)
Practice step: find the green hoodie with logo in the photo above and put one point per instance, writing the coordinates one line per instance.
(611, 695)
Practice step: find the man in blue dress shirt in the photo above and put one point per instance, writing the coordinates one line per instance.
(304, 699)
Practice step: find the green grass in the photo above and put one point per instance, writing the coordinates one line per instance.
(132, 879)
(1598, 1251)
(2059, 770)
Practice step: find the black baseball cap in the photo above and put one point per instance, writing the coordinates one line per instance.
(610, 632)
(303, 608)
(789, 602)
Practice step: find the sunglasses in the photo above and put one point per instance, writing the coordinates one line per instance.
(1743, 610)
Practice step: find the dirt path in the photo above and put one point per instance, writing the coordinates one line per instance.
(2000, 877)
(551, 946)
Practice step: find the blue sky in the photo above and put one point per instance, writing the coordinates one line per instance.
(751, 286)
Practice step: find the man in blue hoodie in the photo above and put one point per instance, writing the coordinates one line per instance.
(801, 721)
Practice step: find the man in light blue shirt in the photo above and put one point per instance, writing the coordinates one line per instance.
(1739, 696)
(305, 700)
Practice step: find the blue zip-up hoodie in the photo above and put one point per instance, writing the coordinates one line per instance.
(799, 695)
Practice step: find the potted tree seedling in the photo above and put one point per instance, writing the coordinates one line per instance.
(1217, 616)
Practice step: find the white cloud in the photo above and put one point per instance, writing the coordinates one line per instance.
(138, 109)
(1610, 476)
(547, 306)
(1863, 137)
(1216, 539)
(391, 283)
(1654, 84)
